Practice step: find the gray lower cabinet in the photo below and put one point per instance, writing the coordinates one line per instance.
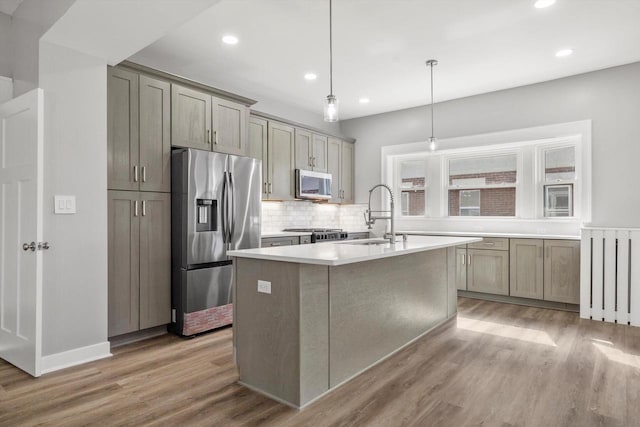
(488, 271)
(526, 268)
(139, 260)
(461, 268)
(280, 241)
(562, 271)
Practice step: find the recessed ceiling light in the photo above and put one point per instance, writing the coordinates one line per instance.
(230, 39)
(310, 76)
(364, 100)
(541, 4)
(564, 52)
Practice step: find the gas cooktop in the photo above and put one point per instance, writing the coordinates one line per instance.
(321, 234)
(311, 230)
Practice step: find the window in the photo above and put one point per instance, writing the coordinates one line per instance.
(558, 182)
(469, 203)
(412, 187)
(483, 186)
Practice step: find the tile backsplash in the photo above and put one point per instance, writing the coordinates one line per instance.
(277, 216)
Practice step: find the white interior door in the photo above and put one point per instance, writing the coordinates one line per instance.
(21, 158)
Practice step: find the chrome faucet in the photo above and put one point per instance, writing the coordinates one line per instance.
(370, 219)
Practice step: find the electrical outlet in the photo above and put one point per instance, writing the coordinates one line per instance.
(264, 287)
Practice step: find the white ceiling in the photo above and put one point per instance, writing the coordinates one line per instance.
(380, 47)
(9, 6)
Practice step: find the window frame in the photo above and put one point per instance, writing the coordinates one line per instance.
(397, 185)
(542, 183)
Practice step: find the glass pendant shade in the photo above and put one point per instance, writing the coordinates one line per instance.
(331, 109)
(433, 143)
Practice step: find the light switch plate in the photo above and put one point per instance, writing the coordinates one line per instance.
(64, 205)
(264, 287)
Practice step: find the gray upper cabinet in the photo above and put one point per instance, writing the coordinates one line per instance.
(488, 271)
(190, 118)
(562, 271)
(122, 130)
(229, 127)
(258, 137)
(281, 162)
(311, 151)
(155, 259)
(334, 155)
(303, 152)
(155, 135)
(346, 172)
(124, 261)
(526, 268)
(319, 145)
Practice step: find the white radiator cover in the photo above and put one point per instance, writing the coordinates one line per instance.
(610, 275)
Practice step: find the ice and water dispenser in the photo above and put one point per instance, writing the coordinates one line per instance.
(206, 215)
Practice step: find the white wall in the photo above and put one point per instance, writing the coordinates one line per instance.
(6, 89)
(29, 22)
(75, 158)
(610, 98)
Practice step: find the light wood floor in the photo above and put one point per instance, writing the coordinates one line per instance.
(496, 365)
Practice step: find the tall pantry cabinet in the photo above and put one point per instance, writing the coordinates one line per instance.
(139, 201)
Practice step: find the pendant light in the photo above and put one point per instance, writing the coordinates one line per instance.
(331, 103)
(432, 139)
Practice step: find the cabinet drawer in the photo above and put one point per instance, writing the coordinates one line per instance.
(280, 241)
(494, 243)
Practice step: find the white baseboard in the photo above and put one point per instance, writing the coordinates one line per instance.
(77, 356)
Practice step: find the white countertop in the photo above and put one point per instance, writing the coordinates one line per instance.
(483, 234)
(348, 252)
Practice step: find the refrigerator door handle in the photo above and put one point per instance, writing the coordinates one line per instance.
(223, 209)
(232, 216)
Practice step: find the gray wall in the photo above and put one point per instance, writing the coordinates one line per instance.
(5, 46)
(610, 98)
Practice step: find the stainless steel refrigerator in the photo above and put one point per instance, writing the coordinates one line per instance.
(215, 208)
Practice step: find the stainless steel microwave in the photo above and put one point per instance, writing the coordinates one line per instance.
(313, 185)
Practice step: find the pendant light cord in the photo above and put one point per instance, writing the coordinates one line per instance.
(330, 50)
(432, 132)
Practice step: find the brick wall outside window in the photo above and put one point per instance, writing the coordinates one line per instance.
(416, 197)
(493, 201)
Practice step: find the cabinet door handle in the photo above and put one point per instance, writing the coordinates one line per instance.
(135, 208)
(208, 136)
(215, 137)
(275, 244)
(135, 173)
(144, 208)
(144, 174)
(469, 260)
(464, 259)
(265, 188)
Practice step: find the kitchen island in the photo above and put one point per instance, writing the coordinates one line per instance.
(309, 318)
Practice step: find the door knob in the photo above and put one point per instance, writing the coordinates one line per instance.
(29, 246)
